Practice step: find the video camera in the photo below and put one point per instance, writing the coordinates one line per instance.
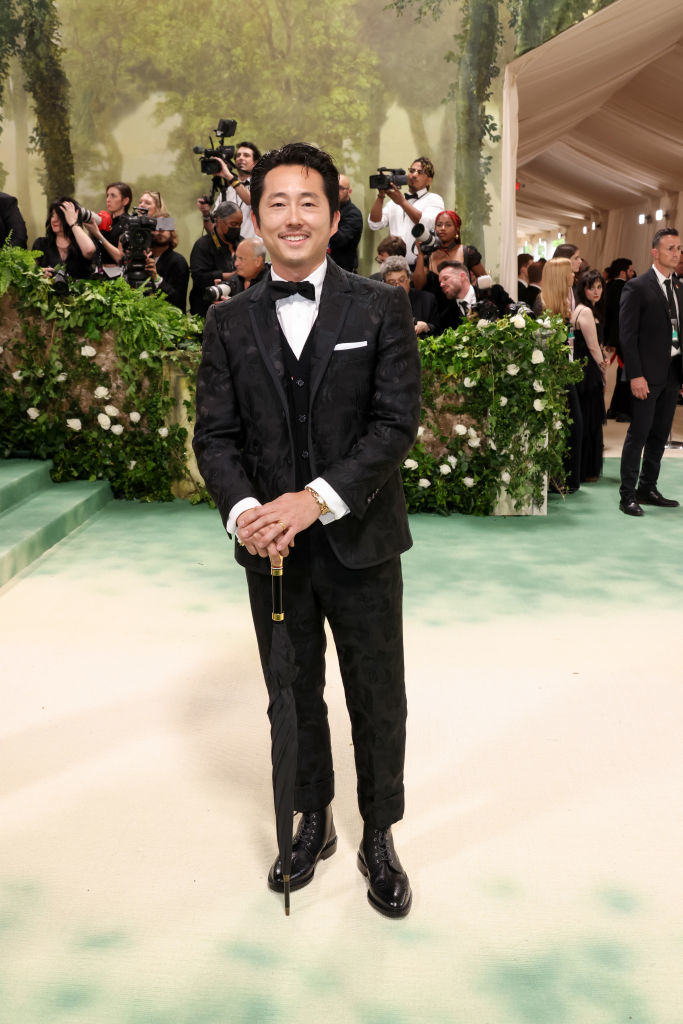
(388, 176)
(136, 240)
(208, 162)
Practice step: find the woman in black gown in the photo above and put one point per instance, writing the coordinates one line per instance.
(585, 322)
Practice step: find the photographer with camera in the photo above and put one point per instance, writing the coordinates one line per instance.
(168, 270)
(148, 245)
(65, 241)
(231, 185)
(212, 260)
(404, 211)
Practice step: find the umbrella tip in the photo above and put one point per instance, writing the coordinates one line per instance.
(286, 881)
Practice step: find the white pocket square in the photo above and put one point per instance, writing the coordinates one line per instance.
(350, 344)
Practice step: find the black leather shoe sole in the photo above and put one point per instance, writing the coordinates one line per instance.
(298, 883)
(375, 901)
(631, 508)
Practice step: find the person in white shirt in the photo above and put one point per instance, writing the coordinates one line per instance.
(403, 212)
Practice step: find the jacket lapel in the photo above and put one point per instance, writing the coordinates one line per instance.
(334, 304)
(658, 293)
(267, 334)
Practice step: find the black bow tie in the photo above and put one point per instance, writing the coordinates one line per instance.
(410, 195)
(281, 289)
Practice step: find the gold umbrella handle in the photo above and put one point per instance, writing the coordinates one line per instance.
(276, 580)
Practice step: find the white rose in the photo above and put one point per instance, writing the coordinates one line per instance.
(132, 464)
(17, 374)
(460, 428)
(423, 483)
(483, 324)
(73, 424)
(88, 350)
(33, 413)
(503, 400)
(134, 417)
(101, 392)
(163, 431)
(469, 383)
(545, 323)
(471, 431)
(518, 321)
(111, 410)
(410, 464)
(539, 404)
(538, 386)
(453, 461)
(537, 356)
(492, 446)
(505, 477)
(558, 424)
(103, 420)
(474, 442)
(445, 469)
(144, 355)
(60, 378)
(513, 369)
(468, 481)
(420, 431)
(117, 429)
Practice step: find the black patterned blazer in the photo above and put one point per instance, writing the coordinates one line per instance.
(363, 415)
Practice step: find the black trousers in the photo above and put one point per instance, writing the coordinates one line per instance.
(648, 432)
(364, 610)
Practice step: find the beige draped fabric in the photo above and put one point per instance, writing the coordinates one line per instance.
(599, 132)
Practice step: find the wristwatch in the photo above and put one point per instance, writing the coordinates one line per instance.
(322, 504)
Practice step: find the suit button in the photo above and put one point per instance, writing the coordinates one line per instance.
(299, 383)
(302, 417)
(304, 454)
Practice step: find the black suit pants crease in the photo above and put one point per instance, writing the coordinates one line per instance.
(648, 432)
(364, 611)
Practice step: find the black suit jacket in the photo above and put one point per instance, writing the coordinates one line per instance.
(344, 242)
(363, 415)
(645, 328)
(11, 220)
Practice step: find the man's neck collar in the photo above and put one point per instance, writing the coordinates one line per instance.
(316, 276)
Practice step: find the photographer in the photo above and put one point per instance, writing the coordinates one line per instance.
(403, 212)
(168, 270)
(212, 259)
(237, 188)
(425, 315)
(458, 294)
(65, 241)
(108, 225)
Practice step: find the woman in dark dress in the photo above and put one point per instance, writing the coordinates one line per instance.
(65, 241)
(585, 322)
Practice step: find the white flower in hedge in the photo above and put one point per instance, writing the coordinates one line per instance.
(445, 469)
(410, 464)
(453, 461)
(558, 424)
(424, 483)
(545, 323)
(88, 350)
(513, 369)
(17, 375)
(492, 446)
(539, 404)
(518, 321)
(103, 420)
(474, 442)
(101, 392)
(1, 350)
(33, 413)
(117, 428)
(505, 477)
(503, 400)
(73, 424)
(132, 464)
(538, 386)
(134, 417)
(469, 382)
(483, 324)
(460, 428)
(163, 431)
(60, 378)
(144, 355)
(537, 356)
(111, 410)
(471, 431)
(420, 431)
(468, 481)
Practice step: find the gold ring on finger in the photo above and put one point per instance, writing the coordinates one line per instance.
(284, 526)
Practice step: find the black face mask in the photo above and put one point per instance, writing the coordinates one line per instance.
(232, 235)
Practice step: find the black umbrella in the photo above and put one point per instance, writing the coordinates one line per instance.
(280, 675)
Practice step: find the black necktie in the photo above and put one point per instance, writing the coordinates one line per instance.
(464, 308)
(668, 287)
(281, 289)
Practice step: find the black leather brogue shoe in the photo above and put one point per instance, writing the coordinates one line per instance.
(315, 839)
(631, 507)
(388, 885)
(651, 496)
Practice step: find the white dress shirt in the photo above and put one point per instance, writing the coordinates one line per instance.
(661, 278)
(399, 223)
(296, 316)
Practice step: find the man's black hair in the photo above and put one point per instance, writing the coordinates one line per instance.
(298, 154)
(252, 146)
(662, 233)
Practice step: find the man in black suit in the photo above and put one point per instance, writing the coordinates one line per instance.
(344, 242)
(308, 400)
(423, 304)
(11, 221)
(649, 331)
(458, 294)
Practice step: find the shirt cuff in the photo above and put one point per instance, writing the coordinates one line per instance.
(337, 506)
(237, 510)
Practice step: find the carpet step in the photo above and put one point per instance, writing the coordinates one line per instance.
(20, 478)
(30, 526)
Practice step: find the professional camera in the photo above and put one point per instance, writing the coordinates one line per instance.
(102, 219)
(136, 240)
(485, 309)
(60, 280)
(217, 291)
(388, 176)
(208, 162)
(426, 240)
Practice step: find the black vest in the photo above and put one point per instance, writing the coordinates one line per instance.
(298, 390)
